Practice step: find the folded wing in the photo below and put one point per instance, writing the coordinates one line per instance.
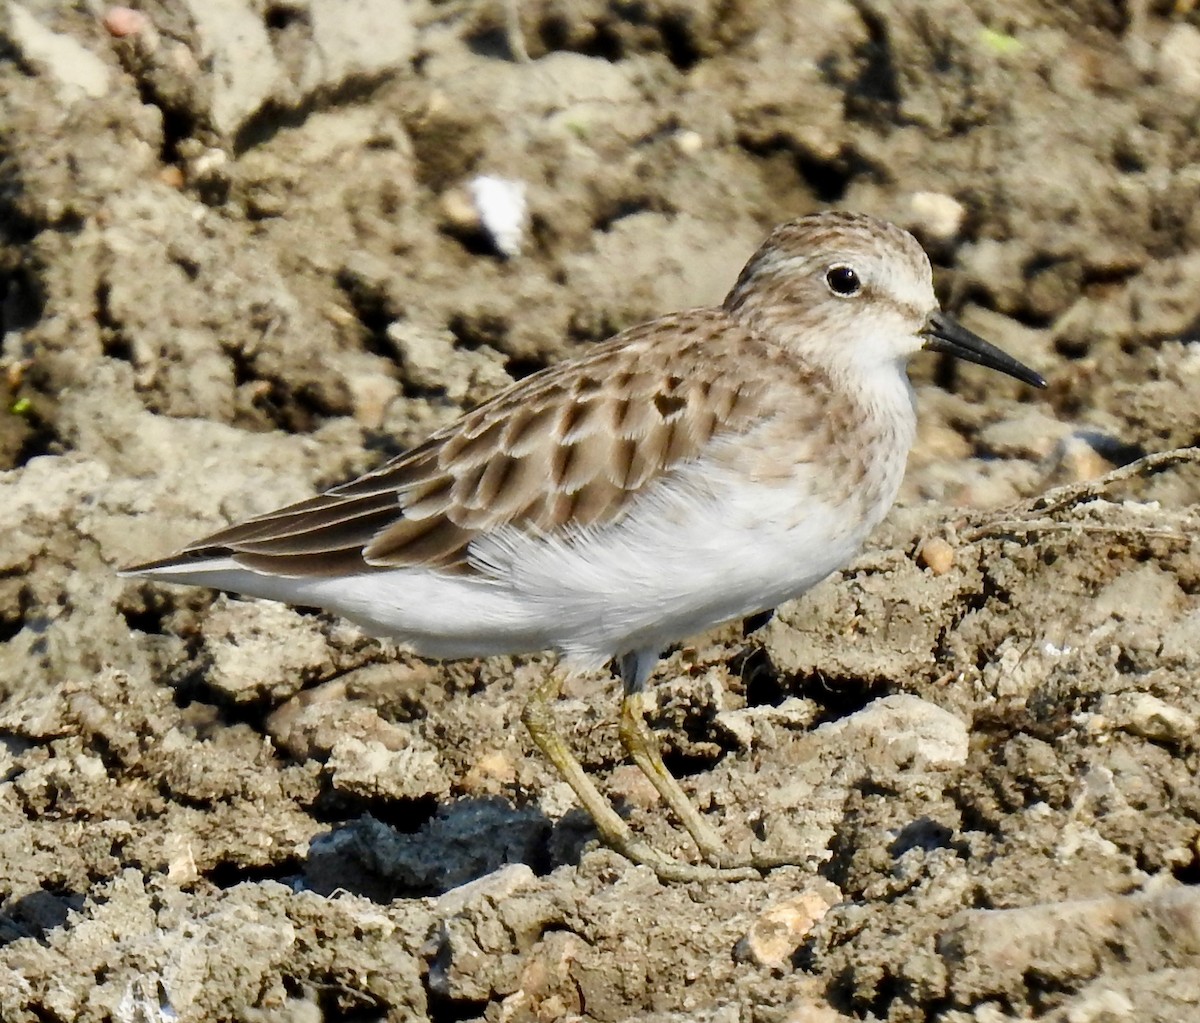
(570, 446)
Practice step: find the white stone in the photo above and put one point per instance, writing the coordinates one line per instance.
(1179, 59)
(355, 37)
(77, 72)
(938, 737)
(237, 48)
(502, 211)
(940, 216)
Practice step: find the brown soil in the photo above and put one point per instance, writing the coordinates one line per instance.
(239, 263)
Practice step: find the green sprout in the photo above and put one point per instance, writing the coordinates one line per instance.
(1000, 43)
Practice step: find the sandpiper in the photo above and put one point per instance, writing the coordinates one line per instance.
(700, 467)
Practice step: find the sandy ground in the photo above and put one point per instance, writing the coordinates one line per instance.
(240, 261)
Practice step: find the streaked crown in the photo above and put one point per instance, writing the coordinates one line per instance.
(828, 281)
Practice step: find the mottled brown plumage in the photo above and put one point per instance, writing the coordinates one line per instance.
(568, 446)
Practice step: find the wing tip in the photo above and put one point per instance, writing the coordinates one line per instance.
(186, 562)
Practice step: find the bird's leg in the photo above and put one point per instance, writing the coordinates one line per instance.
(640, 744)
(615, 832)
(540, 722)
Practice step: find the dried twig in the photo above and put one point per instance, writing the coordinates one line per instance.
(513, 32)
(1088, 490)
(1036, 515)
(1023, 527)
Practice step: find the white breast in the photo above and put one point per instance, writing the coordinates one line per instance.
(688, 556)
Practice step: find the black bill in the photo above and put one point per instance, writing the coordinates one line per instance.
(943, 334)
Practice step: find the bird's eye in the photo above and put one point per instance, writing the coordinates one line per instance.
(843, 280)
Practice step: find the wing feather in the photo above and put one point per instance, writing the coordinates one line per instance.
(571, 446)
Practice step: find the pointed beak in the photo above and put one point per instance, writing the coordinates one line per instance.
(943, 333)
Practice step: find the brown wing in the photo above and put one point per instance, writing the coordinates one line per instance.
(569, 445)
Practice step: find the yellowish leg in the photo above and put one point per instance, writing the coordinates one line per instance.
(615, 832)
(641, 745)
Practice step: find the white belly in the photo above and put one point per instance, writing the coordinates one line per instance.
(677, 564)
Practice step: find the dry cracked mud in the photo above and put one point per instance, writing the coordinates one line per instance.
(240, 260)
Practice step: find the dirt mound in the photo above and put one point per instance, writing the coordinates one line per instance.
(244, 257)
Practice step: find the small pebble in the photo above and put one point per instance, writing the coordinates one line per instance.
(172, 177)
(458, 211)
(1075, 460)
(936, 554)
(940, 217)
(490, 774)
(502, 211)
(1179, 59)
(1154, 719)
(779, 929)
(122, 22)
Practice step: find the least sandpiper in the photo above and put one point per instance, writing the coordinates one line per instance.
(700, 467)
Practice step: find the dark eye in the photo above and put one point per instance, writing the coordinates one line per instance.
(843, 280)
